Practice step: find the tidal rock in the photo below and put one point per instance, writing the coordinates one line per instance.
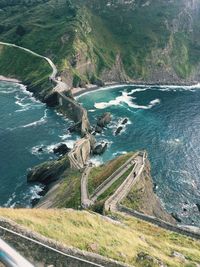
(104, 120)
(98, 129)
(49, 171)
(118, 131)
(62, 149)
(40, 149)
(198, 206)
(175, 216)
(100, 148)
(125, 121)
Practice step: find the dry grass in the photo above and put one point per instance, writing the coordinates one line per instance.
(121, 241)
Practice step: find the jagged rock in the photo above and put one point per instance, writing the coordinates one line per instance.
(98, 129)
(62, 149)
(100, 148)
(49, 171)
(40, 149)
(104, 120)
(51, 99)
(125, 121)
(198, 206)
(175, 216)
(118, 131)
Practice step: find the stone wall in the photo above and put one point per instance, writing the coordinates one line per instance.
(158, 222)
(74, 111)
(43, 252)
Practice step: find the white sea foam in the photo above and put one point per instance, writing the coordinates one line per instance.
(127, 99)
(97, 161)
(115, 154)
(65, 136)
(10, 200)
(35, 190)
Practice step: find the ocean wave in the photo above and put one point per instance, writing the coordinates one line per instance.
(127, 99)
(65, 136)
(41, 121)
(96, 161)
(35, 190)
(10, 200)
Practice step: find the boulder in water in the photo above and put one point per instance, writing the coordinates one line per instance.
(62, 149)
(118, 131)
(125, 121)
(100, 148)
(104, 120)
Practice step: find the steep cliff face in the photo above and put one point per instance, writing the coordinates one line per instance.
(143, 199)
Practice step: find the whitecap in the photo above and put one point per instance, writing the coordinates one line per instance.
(35, 190)
(127, 99)
(65, 136)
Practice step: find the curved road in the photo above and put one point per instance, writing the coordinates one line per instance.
(60, 86)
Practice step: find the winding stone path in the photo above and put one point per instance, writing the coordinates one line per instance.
(123, 190)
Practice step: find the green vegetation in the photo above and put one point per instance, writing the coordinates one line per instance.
(32, 70)
(134, 199)
(84, 38)
(114, 186)
(101, 173)
(68, 194)
(125, 239)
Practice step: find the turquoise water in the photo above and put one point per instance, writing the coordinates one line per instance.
(26, 125)
(166, 122)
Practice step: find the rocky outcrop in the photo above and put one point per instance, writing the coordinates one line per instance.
(48, 172)
(100, 148)
(104, 120)
(62, 149)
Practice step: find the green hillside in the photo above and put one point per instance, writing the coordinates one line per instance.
(153, 41)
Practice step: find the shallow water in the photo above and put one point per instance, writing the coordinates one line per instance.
(25, 126)
(166, 122)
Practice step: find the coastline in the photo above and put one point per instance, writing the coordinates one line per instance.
(78, 91)
(7, 79)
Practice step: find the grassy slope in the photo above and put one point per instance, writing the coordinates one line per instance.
(30, 69)
(130, 237)
(101, 173)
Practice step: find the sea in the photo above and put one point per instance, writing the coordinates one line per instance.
(26, 127)
(163, 120)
